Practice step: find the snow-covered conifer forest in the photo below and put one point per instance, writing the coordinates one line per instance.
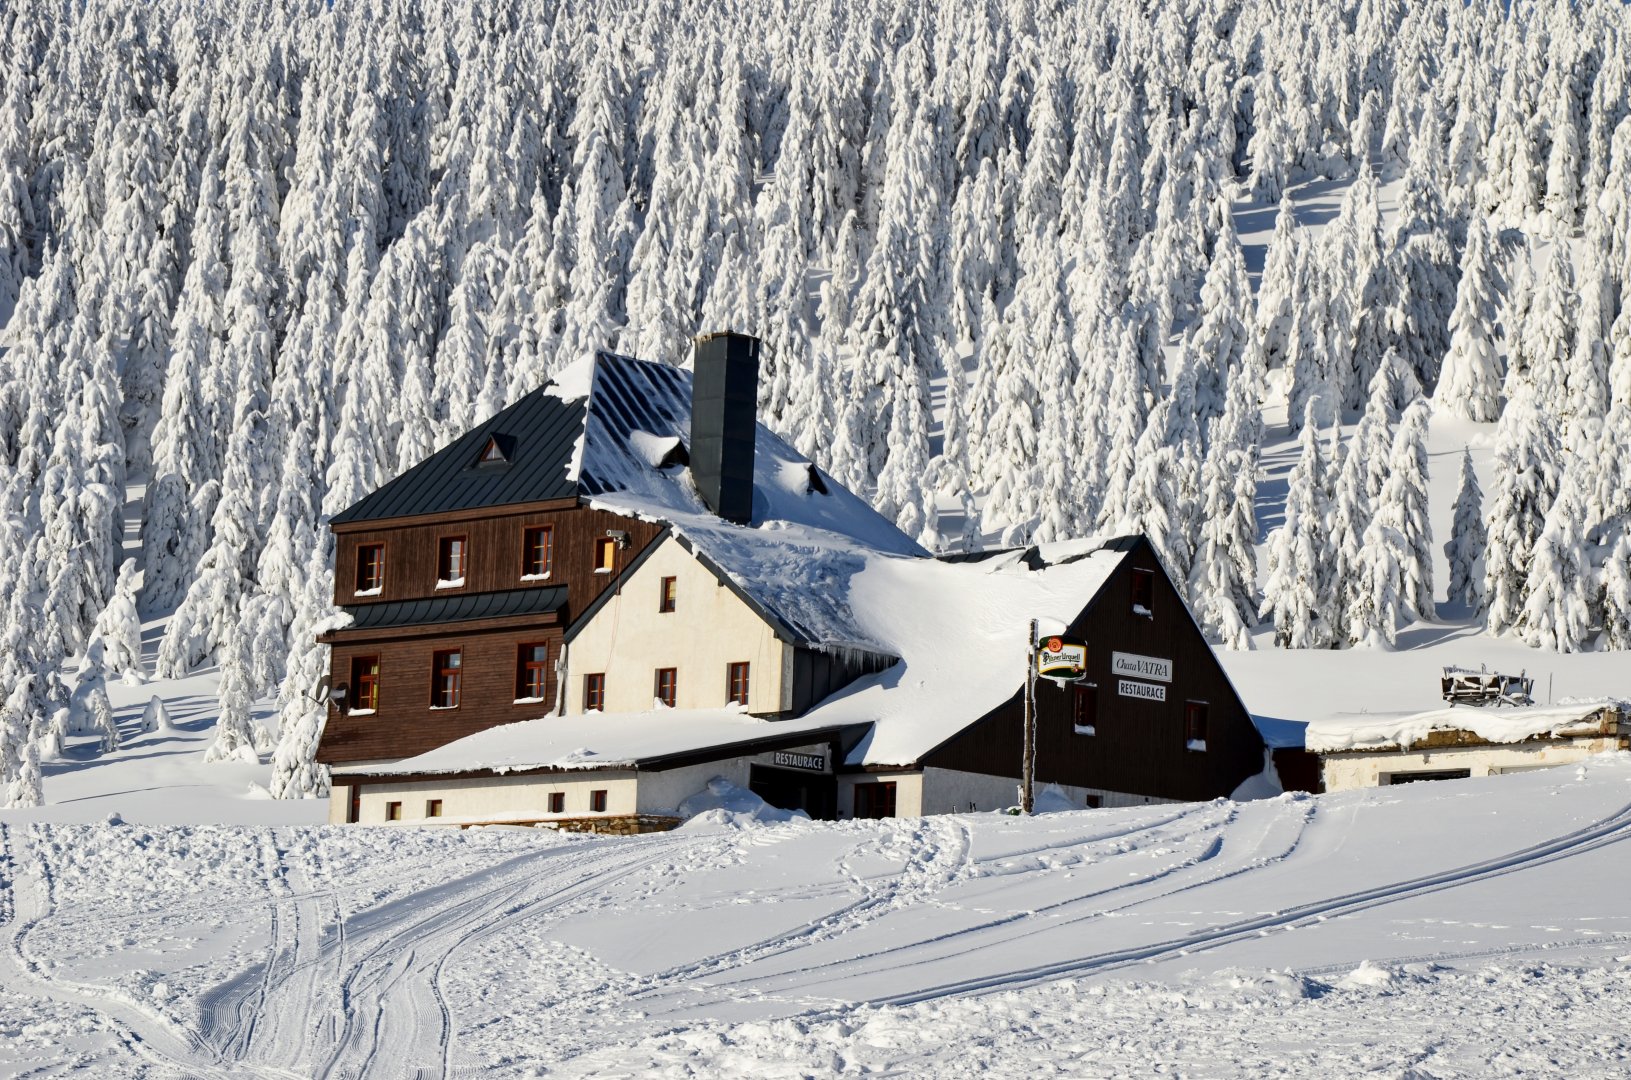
(257, 257)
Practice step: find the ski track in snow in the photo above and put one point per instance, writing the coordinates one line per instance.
(434, 954)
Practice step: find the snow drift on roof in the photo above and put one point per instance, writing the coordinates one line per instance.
(1492, 725)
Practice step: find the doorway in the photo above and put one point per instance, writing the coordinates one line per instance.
(789, 789)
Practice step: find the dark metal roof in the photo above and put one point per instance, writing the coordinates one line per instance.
(444, 609)
(538, 434)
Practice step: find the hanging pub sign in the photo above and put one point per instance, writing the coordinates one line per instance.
(1061, 657)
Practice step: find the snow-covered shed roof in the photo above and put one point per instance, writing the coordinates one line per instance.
(613, 432)
(1488, 725)
(661, 737)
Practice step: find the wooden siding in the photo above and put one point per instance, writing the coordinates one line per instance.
(405, 724)
(1139, 747)
(494, 554)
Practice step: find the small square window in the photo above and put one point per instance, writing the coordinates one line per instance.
(666, 595)
(605, 555)
(447, 677)
(452, 554)
(666, 683)
(433, 807)
(736, 684)
(594, 692)
(597, 800)
(370, 568)
(557, 802)
(393, 811)
(537, 551)
(1195, 725)
(1143, 592)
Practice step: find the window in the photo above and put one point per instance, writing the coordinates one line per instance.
(364, 684)
(1195, 725)
(433, 807)
(594, 693)
(531, 667)
(446, 675)
(370, 568)
(665, 686)
(605, 555)
(736, 684)
(493, 453)
(557, 802)
(597, 800)
(1143, 592)
(1085, 709)
(451, 556)
(537, 551)
(876, 800)
(665, 597)
(393, 811)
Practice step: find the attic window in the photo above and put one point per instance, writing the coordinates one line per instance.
(494, 453)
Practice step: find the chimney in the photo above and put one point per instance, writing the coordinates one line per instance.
(724, 415)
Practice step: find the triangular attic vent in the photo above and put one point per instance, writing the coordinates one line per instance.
(494, 453)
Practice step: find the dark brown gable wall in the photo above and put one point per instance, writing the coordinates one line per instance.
(1139, 747)
(494, 553)
(405, 724)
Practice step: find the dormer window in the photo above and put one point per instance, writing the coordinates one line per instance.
(494, 453)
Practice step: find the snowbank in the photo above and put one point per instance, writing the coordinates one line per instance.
(724, 804)
(1492, 725)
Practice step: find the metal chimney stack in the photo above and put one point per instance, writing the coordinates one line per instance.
(724, 416)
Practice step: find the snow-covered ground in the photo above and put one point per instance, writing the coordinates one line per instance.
(1460, 928)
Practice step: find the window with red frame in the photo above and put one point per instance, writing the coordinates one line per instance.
(447, 674)
(364, 683)
(531, 668)
(667, 594)
(370, 568)
(736, 683)
(594, 693)
(451, 556)
(666, 682)
(537, 551)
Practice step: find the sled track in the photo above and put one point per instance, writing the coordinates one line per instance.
(1606, 831)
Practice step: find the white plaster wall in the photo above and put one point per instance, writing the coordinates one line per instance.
(710, 628)
(949, 791)
(1344, 772)
(908, 792)
(662, 792)
(494, 798)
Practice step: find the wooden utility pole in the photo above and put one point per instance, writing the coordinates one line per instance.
(1028, 761)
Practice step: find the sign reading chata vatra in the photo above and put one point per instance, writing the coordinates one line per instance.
(1141, 667)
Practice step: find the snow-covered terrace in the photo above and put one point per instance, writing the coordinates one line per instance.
(1485, 725)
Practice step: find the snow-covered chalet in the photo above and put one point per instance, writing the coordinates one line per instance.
(623, 588)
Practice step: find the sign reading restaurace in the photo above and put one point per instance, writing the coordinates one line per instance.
(812, 762)
(1141, 667)
(1148, 691)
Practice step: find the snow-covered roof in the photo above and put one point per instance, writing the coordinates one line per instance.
(1490, 725)
(601, 741)
(794, 561)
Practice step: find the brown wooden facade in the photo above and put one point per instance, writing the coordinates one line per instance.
(1139, 746)
(405, 723)
(495, 537)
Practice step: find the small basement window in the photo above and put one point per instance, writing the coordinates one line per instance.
(433, 807)
(594, 692)
(370, 569)
(1195, 725)
(597, 800)
(667, 593)
(557, 802)
(1085, 709)
(1144, 592)
(393, 811)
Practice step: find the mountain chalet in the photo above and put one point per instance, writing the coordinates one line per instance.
(623, 587)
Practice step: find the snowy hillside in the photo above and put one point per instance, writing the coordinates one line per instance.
(1466, 928)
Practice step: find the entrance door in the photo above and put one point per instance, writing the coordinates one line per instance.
(875, 800)
(789, 789)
